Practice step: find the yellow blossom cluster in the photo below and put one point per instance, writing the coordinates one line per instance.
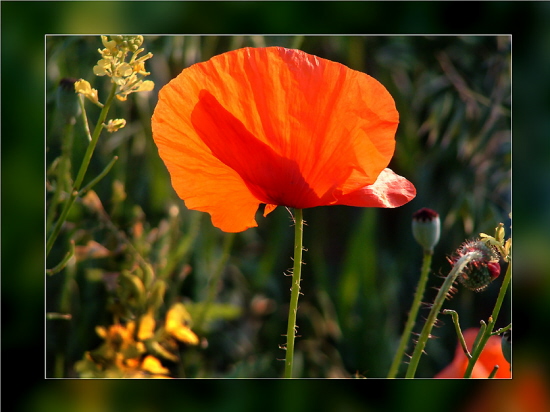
(84, 88)
(127, 75)
(133, 350)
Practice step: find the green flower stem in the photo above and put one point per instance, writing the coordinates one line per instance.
(82, 171)
(59, 267)
(432, 317)
(454, 315)
(295, 291)
(501, 330)
(476, 351)
(426, 264)
(95, 137)
(494, 372)
(96, 180)
(84, 117)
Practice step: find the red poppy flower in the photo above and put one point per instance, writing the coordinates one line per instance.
(279, 127)
(491, 356)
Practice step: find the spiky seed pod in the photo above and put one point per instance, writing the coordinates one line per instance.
(481, 270)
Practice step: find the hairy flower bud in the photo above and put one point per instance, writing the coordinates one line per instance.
(426, 228)
(482, 269)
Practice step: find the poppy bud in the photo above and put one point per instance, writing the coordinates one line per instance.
(426, 228)
(506, 344)
(482, 269)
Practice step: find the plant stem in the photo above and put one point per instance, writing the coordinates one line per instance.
(295, 292)
(426, 263)
(82, 171)
(454, 315)
(100, 176)
(95, 137)
(476, 351)
(432, 317)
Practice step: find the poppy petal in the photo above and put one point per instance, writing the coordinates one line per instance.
(268, 209)
(199, 178)
(275, 126)
(390, 190)
(271, 178)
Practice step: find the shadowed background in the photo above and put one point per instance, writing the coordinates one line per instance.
(364, 258)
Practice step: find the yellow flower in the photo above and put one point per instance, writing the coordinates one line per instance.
(123, 70)
(128, 76)
(109, 44)
(152, 365)
(145, 86)
(121, 356)
(83, 87)
(102, 68)
(146, 326)
(139, 68)
(114, 125)
(176, 325)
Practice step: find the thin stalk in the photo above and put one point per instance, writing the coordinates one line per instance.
(82, 171)
(432, 317)
(84, 117)
(494, 372)
(100, 176)
(59, 267)
(502, 330)
(492, 320)
(95, 137)
(426, 264)
(454, 315)
(295, 292)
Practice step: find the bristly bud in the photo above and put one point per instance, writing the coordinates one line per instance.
(482, 269)
(426, 228)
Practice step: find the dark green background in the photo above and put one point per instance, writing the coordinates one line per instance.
(24, 25)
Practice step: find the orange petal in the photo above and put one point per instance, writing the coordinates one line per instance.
(268, 209)
(271, 125)
(390, 190)
(199, 178)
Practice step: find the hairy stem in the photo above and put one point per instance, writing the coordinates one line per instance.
(476, 351)
(426, 263)
(432, 317)
(295, 292)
